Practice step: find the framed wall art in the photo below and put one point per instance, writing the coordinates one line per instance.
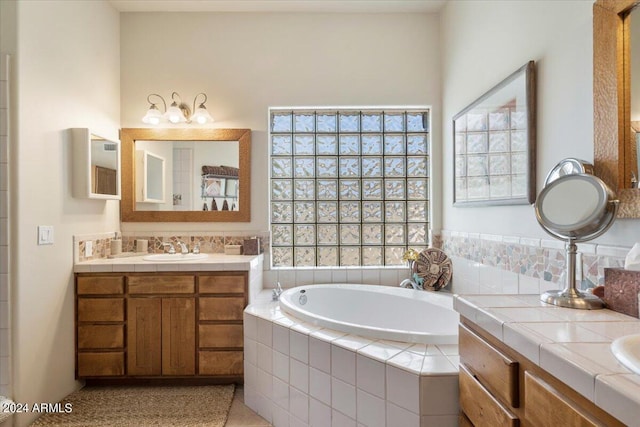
(495, 144)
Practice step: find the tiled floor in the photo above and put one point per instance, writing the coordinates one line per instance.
(240, 415)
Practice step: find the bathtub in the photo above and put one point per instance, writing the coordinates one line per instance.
(378, 312)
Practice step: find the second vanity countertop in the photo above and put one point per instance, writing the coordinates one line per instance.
(572, 345)
(213, 262)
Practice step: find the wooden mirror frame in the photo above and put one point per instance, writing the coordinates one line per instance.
(611, 101)
(128, 213)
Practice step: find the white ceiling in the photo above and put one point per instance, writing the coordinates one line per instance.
(346, 6)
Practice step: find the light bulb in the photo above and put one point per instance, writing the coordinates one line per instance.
(153, 116)
(174, 114)
(201, 115)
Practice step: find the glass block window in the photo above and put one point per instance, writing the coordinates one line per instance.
(348, 187)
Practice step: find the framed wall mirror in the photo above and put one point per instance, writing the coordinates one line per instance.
(199, 175)
(616, 87)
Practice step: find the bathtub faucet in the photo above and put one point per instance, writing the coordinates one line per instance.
(414, 282)
(409, 282)
(275, 294)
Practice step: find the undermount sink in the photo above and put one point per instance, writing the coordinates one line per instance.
(627, 350)
(173, 257)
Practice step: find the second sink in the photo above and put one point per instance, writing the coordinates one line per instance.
(173, 257)
(627, 350)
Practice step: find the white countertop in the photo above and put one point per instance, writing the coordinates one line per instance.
(572, 345)
(213, 262)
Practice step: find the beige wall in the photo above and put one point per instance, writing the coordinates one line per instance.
(485, 41)
(248, 62)
(68, 76)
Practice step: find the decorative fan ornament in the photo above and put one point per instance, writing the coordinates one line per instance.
(434, 267)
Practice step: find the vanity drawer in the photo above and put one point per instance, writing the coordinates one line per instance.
(100, 364)
(480, 406)
(493, 369)
(100, 336)
(100, 309)
(558, 411)
(100, 285)
(157, 284)
(220, 363)
(221, 308)
(221, 336)
(222, 284)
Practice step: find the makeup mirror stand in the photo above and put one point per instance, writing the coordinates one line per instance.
(574, 206)
(570, 296)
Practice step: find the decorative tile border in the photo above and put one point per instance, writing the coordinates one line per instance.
(209, 242)
(533, 257)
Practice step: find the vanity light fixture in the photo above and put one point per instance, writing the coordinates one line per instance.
(178, 111)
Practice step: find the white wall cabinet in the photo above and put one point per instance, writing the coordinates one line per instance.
(96, 166)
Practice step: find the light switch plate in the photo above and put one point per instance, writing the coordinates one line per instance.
(88, 248)
(45, 235)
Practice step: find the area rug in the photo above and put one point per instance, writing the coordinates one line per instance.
(185, 406)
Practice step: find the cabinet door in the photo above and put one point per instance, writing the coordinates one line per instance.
(178, 336)
(558, 410)
(144, 336)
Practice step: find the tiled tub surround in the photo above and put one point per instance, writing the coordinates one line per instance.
(297, 374)
(572, 345)
(484, 263)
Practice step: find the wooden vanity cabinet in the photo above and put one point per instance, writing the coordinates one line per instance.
(160, 325)
(500, 387)
(222, 300)
(100, 325)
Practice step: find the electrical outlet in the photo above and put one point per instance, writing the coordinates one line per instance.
(88, 248)
(45, 235)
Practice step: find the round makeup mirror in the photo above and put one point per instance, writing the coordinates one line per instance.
(574, 207)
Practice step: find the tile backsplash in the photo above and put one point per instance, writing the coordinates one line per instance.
(485, 263)
(210, 242)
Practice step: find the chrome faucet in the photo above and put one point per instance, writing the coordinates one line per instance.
(275, 294)
(184, 249)
(171, 250)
